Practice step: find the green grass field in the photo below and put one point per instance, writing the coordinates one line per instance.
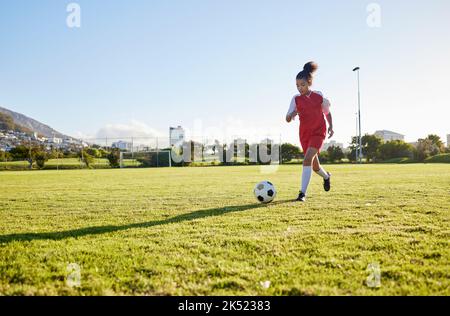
(199, 231)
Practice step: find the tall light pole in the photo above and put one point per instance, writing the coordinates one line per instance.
(356, 133)
(359, 116)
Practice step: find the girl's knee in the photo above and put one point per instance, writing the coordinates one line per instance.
(307, 162)
(316, 166)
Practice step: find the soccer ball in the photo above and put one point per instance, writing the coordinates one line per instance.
(265, 192)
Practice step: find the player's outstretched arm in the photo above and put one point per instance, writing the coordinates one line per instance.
(290, 117)
(292, 111)
(330, 125)
(326, 110)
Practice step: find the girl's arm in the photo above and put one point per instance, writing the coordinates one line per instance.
(330, 125)
(292, 112)
(326, 110)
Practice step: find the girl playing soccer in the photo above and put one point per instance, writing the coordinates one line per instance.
(311, 106)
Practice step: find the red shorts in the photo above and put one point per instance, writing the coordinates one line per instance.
(312, 141)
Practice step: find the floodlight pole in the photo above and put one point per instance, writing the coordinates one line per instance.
(356, 149)
(359, 115)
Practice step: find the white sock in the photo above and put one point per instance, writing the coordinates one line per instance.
(306, 177)
(322, 173)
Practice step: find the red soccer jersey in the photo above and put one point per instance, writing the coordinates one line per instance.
(313, 128)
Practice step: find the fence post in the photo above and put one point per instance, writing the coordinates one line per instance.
(82, 156)
(280, 158)
(157, 153)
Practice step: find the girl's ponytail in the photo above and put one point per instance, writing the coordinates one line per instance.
(307, 72)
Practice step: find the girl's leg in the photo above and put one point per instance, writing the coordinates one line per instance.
(321, 172)
(316, 163)
(317, 167)
(311, 152)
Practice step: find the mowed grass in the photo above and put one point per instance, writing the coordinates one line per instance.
(199, 231)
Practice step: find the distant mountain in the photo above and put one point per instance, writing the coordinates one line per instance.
(32, 125)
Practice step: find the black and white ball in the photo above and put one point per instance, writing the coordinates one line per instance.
(265, 192)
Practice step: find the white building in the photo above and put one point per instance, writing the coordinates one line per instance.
(176, 135)
(332, 143)
(388, 135)
(55, 140)
(122, 145)
(69, 140)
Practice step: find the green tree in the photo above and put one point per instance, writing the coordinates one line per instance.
(395, 149)
(103, 153)
(335, 153)
(351, 156)
(370, 146)
(41, 158)
(68, 153)
(86, 158)
(114, 158)
(5, 156)
(27, 153)
(94, 152)
(436, 140)
(324, 156)
(289, 152)
(55, 153)
(19, 152)
(425, 148)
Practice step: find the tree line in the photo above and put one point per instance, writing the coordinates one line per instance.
(37, 155)
(374, 149)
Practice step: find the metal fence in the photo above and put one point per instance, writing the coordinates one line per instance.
(136, 152)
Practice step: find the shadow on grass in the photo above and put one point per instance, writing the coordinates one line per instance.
(96, 230)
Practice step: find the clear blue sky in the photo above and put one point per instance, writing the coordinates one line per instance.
(141, 66)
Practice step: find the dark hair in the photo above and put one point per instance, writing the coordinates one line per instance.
(307, 72)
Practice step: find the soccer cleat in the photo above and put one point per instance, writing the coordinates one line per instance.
(301, 197)
(327, 183)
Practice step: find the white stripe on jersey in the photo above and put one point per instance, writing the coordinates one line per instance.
(325, 104)
(293, 106)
